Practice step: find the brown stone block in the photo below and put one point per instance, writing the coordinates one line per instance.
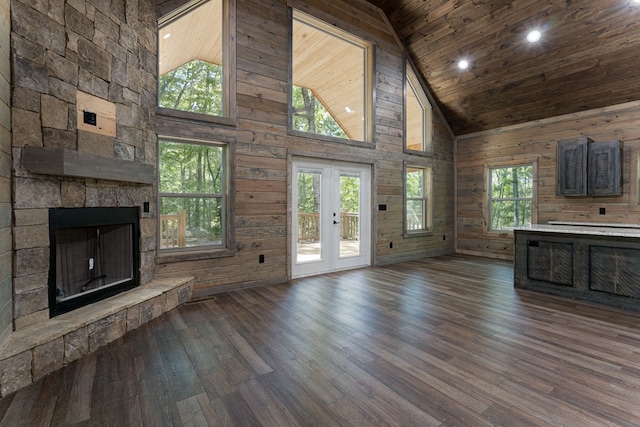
(28, 283)
(26, 128)
(26, 99)
(56, 138)
(31, 217)
(73, 194)
(36, 193)
(33, 25)
(48, 358)
(31, 319)
(78, 22)
(173, 300)
(31, 236)
(76, 344)
(15, 373)
(54, 112)
(105, 333)
(133, 317)
(184, 293)
(62, 68)
(30, 301)
(94, 59)
(31, 261)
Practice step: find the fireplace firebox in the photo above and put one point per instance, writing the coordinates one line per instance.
(94, 255)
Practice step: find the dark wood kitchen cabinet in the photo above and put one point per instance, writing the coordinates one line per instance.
(588, 168)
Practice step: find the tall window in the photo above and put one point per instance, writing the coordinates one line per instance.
(331, 90)
(192, 192)
(418, 120)
(417, 199)
(190, 59)
(510, 197)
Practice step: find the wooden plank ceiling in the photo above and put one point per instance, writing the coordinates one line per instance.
(588, 57)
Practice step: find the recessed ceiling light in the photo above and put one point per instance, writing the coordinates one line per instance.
(349, 110)
(534, 36)
(166, 36)
(463, 64)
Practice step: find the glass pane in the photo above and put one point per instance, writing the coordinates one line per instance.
(190, 61)
(415, 215)
(332, 68)
(190, 221)
(309, 226)
(512, 182)
(311, 115)
(415, 120)
(415, 183)
(349, 215)
(505, 215)
(190, 168)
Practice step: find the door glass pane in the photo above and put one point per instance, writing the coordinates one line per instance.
(309, 247)
(349, 214)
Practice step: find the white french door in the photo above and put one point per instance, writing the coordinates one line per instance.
(331, 222)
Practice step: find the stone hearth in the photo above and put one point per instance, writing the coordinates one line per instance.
(36, 351)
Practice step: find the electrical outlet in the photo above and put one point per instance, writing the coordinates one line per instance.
(603, 211)
(444, 237)
(390, 245)
(261, 259)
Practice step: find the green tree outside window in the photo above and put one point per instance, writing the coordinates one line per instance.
(511, 197)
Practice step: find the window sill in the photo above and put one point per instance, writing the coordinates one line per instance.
(419, 153)
(177, 114)
(418, 234)
(193, 255)
(325, 138)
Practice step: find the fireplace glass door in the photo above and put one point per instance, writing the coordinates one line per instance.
(95, 254)
(92, 258)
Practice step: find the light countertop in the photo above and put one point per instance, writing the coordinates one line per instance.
(586, 228)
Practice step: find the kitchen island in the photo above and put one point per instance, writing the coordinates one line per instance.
(590, 261)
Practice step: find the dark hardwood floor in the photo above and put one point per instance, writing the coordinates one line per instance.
(443, 341)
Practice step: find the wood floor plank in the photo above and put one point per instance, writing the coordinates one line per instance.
(443, 341)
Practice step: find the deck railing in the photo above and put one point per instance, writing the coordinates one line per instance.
(309, 226)
(173, 230)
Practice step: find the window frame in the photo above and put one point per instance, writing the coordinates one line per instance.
(226, 228)
(229, 85)
(413, 83)
(488, 167)
(427, 200)
(368, 79)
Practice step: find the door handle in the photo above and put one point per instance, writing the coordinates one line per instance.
(336, 222)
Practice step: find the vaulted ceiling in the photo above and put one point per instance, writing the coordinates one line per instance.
(588, 56)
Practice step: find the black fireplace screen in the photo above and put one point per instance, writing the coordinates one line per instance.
(94, 255)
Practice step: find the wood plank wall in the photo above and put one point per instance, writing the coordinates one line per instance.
(263, 149)
(6, 243)
(537, 142)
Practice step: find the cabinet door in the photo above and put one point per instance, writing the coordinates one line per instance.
(550, 262)
(605, 173)
(572, 167)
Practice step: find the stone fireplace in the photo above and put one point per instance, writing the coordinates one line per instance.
(94, 255)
